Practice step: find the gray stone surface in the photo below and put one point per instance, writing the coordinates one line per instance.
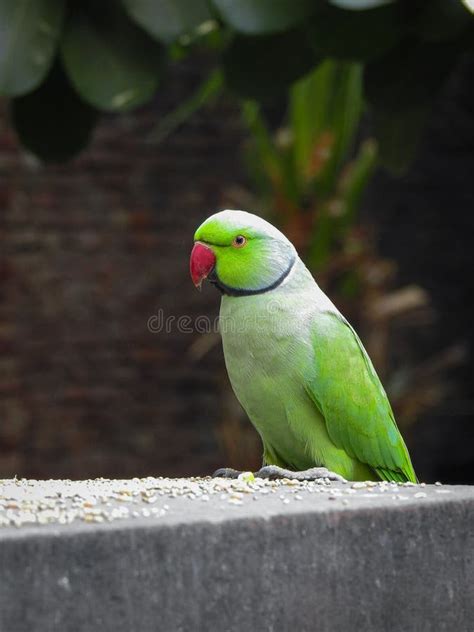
(213, 555)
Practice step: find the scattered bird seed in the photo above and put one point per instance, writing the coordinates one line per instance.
(29, 502)
(235, 501)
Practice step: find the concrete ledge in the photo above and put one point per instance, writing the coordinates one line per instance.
(214, 555)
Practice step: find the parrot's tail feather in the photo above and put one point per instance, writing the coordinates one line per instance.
(395, 476)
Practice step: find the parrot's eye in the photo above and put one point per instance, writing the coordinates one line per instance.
(239, 241)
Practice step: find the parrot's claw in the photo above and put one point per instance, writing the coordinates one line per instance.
(312, 474)
(226, 472)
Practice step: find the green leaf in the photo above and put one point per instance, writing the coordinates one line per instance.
(264, 160)
(112, 64)
(356, 35)
(358, 5)
(166, 20)
(256, 17)
(29, 33)
(262, 67)
(326, 104)
(52, 122)
(206, 92)
(337, 214)
(355, 180)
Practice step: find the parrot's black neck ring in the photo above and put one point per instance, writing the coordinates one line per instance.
(232, 291)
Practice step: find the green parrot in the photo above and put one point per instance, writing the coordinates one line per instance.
(296, 365)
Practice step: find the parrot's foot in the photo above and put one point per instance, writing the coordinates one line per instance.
(226, 472)
(312, 474)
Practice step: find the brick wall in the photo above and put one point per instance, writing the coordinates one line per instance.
(89, 251)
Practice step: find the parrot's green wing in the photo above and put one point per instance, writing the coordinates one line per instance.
(347, 391)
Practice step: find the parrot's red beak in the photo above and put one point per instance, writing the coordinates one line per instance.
(201, 263)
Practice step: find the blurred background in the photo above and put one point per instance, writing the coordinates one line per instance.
(125, 123)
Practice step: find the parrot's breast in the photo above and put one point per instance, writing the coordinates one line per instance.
(269, 356)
